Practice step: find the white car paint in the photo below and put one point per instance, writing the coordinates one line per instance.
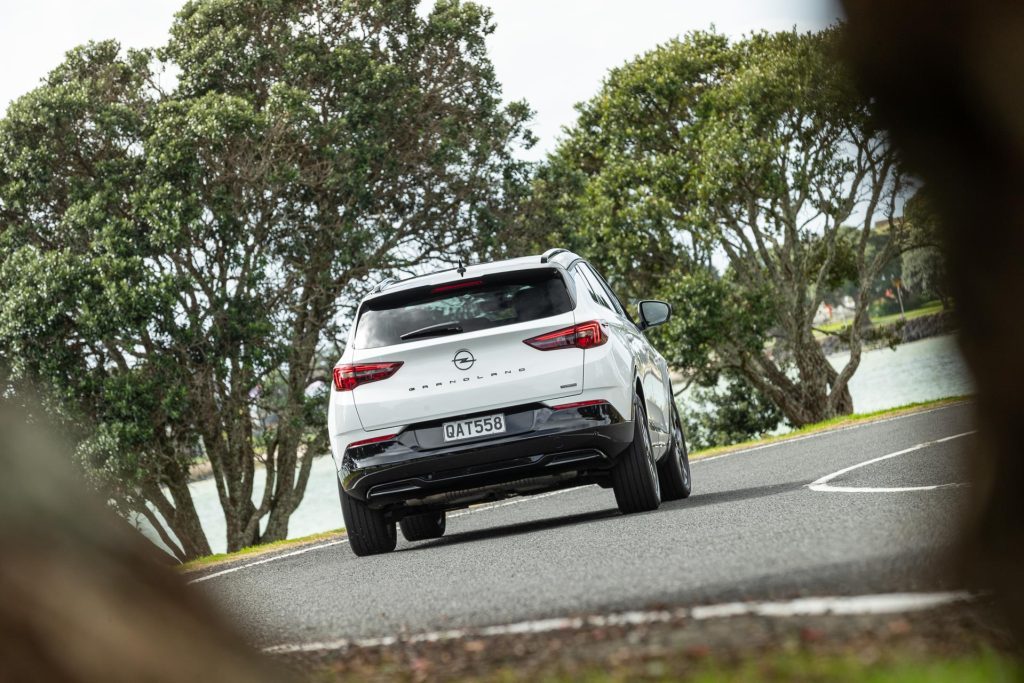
(506, 372)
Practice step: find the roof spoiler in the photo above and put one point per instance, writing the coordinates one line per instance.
(388, 281)
(551, 253)
(383, 284)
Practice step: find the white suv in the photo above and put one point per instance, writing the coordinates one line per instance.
(493, 380)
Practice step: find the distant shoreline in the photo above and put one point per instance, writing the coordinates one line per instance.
(915, 329)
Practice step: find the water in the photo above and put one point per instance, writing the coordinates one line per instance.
(318, 511)
(917, 371)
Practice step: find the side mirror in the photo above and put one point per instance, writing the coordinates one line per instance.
(653, 313)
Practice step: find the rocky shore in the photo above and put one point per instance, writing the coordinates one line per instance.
(926, 326)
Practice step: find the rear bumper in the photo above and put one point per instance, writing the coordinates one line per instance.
(545, 449)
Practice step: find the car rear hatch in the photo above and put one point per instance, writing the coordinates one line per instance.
(486, 365)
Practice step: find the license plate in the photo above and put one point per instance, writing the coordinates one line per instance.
(477, 426)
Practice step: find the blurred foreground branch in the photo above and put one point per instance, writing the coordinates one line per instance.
(85, 597)
(947, 80)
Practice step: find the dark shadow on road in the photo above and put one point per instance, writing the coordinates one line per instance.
(514, 529)
(696, 500)
(699, 499)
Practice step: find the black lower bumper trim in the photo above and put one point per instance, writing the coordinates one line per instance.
(565, 449)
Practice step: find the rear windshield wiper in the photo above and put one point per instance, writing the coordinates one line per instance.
(433, 331)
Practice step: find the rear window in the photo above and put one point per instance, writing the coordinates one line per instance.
(462, 306)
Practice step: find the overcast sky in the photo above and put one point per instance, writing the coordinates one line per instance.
(552, 53)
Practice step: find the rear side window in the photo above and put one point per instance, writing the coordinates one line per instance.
(603, 284)
(462, 306)
(593, 289)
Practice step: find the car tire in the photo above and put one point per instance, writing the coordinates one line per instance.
(423, 526)
(369, 531)
(674, 468)
(635, 475)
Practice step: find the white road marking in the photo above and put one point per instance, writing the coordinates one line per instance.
(328, 544)
(300, 551)
(885, 603)
(823, 485)
(882, 603)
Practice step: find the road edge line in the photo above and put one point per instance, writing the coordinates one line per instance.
(880, 603)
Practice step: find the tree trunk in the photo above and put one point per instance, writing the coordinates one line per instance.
(295, 462)
(284, 500)
(224, 420)
(181, 518)
(814, 395)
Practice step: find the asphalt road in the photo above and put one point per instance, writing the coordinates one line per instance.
(753, 529)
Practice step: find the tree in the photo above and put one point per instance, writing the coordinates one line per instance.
(181, 263)
(720, 176)
(924, 274)
(729, 412)
(924, 266)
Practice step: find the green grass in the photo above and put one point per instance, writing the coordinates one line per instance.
(834, 423)
(930, 308)
(985, 666)
(873, 663)
(221, 558)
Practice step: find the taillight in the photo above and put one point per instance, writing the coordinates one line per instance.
(582, 336)
(348, 377)
(579, 404)
(375, 439)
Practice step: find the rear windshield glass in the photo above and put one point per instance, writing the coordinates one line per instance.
(467, 305)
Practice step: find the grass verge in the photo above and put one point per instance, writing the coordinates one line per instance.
(905, 667)
(961, 643)
(835, 423)
(829, 425)
(257, 550)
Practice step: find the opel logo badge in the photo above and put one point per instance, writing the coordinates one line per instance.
(463, 359)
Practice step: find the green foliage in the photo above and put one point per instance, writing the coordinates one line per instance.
(922, 220)
(839, 261)
(719, 176)
(924, 274)
(924, 266)
(178, 265)
(613, 188)
(728, 412)
(74, 259)
(708, 308)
